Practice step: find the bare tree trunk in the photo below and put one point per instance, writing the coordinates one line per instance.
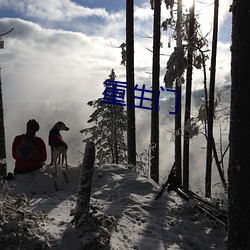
(188, 98)
(211, 102)
(178, 158)
(206, 109)
(3, 162)
(239, 159)
(131, 131)
(93, 230)
(216, 158)
(116, 152)
(83, 192)
(115, 140)
(154, 168)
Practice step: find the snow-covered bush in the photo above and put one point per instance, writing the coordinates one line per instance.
(20, 228)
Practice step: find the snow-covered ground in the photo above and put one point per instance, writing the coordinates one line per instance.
(141, 221)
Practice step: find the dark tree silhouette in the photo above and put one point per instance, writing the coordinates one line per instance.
(188, 96)
(178, 156)
(175, 69)
(210, 139)
(3, 162)
(239, 160)
(154, 168)
(131, 130)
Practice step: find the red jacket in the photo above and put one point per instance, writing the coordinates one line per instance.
(37, 159)
(55, 139)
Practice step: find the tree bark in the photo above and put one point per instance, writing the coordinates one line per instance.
(93, 229)
(211, 102)
(178, 158)
(3, 161)
(218, 164)
(154, 168)
(83, 192)
(188, 97)
(131, 131)
(239, 159)
(115, 140)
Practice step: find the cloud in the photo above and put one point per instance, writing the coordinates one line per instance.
(205, 13)
(55, 10)
(55, 63)
(143, 12)
(47, 71)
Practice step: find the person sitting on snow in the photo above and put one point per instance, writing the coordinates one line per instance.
(29, 150)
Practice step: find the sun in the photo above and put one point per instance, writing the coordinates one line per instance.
(188, 3)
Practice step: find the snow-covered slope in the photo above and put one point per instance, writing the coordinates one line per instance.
(142, 222)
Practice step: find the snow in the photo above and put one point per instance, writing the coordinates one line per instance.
(141, 221)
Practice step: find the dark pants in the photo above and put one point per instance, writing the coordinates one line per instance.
(25, 171)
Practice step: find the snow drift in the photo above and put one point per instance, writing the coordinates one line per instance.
(141, 221)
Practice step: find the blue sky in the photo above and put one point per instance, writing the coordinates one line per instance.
(61, 51)
(73, 15)
(67, 14)
(108, 5)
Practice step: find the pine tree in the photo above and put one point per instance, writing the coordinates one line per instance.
(108, 132)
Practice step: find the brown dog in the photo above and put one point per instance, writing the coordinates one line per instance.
(57, 145)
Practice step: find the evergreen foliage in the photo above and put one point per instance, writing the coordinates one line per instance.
(177, 62)
(108, 132)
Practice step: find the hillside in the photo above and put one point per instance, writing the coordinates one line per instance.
(141, 221)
